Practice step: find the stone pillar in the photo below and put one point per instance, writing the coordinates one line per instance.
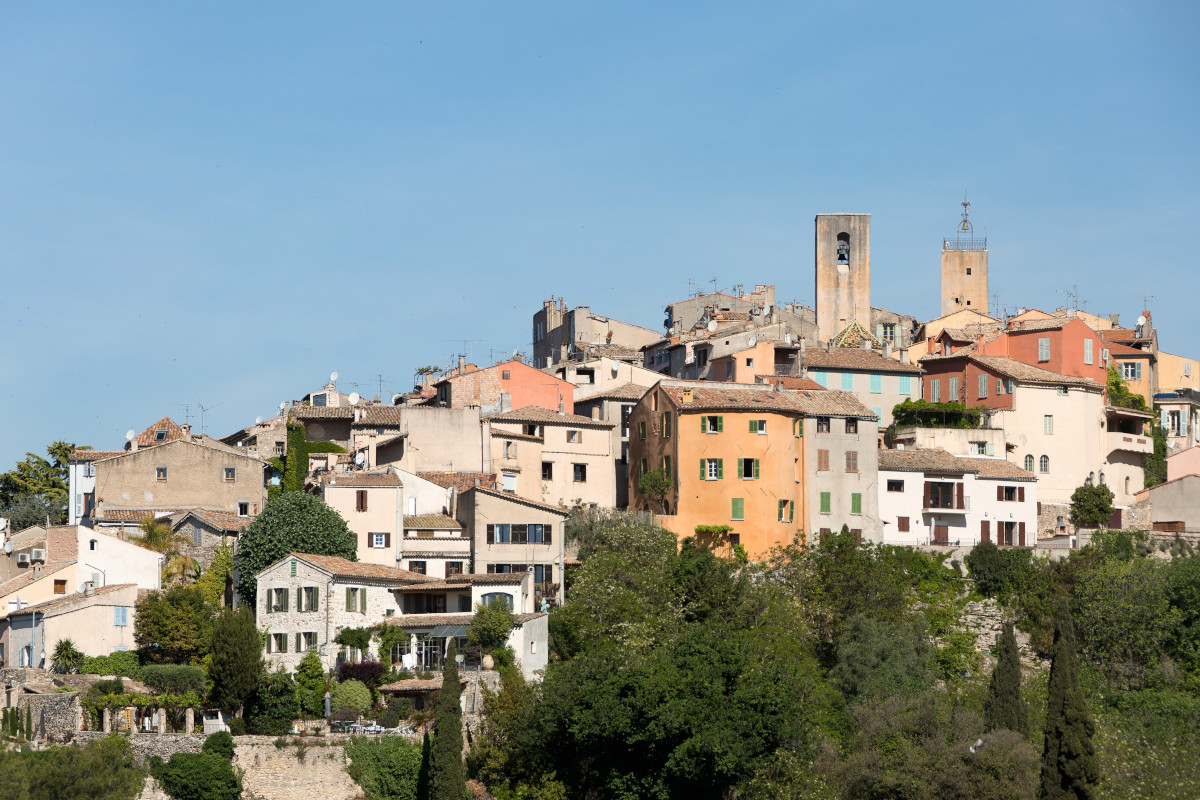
(189, 720)
(162, 721)
(106, 725)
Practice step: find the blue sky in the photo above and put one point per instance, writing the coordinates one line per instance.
(220, 203)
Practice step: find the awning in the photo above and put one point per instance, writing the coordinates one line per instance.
(446, 631)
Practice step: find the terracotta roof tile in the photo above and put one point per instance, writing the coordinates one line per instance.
(416, 685)
(855, 359)
(431, 522)
(518, 499)
(363, 480)
(547, 417)
(27, 579)
(466, 581)
(713, 396)
(220, 520)
(1052, 324)
(172, 431)
(787, 382)
(938, 460)
(342, 568)
(1027, 373)
(78, 598)
(93, 455)
(626, 391)
(999, 468)
(459, 481)
(322, 412)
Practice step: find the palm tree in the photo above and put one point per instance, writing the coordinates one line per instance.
(67, 657)
(159, 537)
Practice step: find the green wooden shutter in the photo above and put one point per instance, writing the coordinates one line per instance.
(754, 426)
(856, 503)
(756, 469)
(316, 598)
(720, 424)
(825, 502)
(703, 469)
(741, 468)
(738, 511)
(720, 468)
(703, 424)
(782, 508)
(287, 601)
(349, 599)
(299, 644)
(268, 647)
(283, 643)
(299, 599)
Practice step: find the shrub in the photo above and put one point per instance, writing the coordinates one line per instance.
(237, 726)
(198, 776)
(219, 744)
(268, 726)
(174, 678)
(124, 663)
(350, 694)
(491, 624)
(67, 657)
(108, 686)
(386, 767)
(398, 709)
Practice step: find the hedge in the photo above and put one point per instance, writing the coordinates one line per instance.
(175, 678)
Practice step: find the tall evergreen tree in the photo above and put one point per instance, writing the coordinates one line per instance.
(1004, 707)
(1069, 766)
(236, 659)
(447, 780)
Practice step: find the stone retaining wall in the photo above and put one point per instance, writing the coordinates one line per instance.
(56, 717)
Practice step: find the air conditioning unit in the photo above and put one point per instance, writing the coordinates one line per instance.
(38, 554)
(22, 559)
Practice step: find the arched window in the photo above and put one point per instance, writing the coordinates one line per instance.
(1102, 483)
(1126, 484)
(843, 248)
(1091, 478)
(92, 544)
(503, 597)
(1029, 463)
(1044, 466)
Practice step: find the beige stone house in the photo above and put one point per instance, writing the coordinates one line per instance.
(560, 459)
(435, 545)
(512, 534)
(373, 506)
(195, 471)
(559, 333)
(614, 405)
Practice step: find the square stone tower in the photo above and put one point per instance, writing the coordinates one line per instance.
(964, 269)
(843, 272)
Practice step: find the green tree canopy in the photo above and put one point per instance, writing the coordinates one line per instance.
(37, 486)
(173, 626)
(491, 624)
(310, 684)
(351, 694)
(236, 659)
(295, 522)
(655, 485)
(1091, 506)
(877, 658)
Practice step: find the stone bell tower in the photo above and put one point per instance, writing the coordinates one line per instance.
(843, 272)
(964, 269)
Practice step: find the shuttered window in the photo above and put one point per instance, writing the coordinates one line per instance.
(826, 502)
(822, 461)
(902, 524)
(847, 381)
(856, 503)
(738, 509)
(1044, 349)
(876, 384)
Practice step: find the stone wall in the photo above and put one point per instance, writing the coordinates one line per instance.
(144, 745)
(1048, 516)
(310, 769)
(1137, 516)
(56, 717)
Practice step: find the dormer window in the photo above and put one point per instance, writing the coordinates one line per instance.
(160, 435)
(843, 249)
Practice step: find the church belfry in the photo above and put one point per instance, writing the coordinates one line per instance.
(964, 268)
(843, 272)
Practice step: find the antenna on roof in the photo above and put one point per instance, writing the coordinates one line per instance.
(204, 410)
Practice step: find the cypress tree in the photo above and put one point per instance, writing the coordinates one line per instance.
(236, 659)
(1069, 767)
(423, 772)
(29, 723)
(1004, 707)
(446, 778)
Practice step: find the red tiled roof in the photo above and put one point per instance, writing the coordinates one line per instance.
(431, 522)
(1027, 373)
(148, 437)
(220, 520)
(78, 597)
(935, 459)
(27, 579)
(713, 396)
(518, 499)
(459, 481)
(464, 582)
(417, 685)
(626, 391)
(433, 620)
(363, 480)
(93, 455)
(342, 568)
(1052, 324)
(787, 382)
(547, 417)
(855, 359)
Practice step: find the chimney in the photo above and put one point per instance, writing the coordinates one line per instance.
(687, 395)
(462, 364)
(187, 429)
(89, 589)
(887, 349)
(864, 343)
(596, 412)
(1115, 320)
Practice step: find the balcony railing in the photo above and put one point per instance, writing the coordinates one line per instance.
(946, 505)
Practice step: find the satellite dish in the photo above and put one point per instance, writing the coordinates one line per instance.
(258, 420)
(8, 547)
(333, 376)
(1141, 320)
(359, 459)
(396, 397)
(354, 398)
(3, 523)
(130, 435)
(753, 341)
